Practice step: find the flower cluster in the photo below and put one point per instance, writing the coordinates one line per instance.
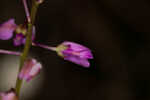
(24, 34)
(9, 28)
(68, 50)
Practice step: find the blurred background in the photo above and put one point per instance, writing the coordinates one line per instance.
(117, 32)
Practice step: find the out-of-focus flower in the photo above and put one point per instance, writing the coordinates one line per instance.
(7, 29)
(10, 95)
(19, 39)
(21, 33)
(39, 1)
(30, 69)
(71, 51)
(75, 53)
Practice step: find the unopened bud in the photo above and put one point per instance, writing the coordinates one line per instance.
(9, 95)
(30, 69)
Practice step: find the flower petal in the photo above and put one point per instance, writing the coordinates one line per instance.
(75, 46)
(77, 60)
(86, 54)
(10, 95)
(18, 40)
(30, 69)
(34, 71)
(7, 29)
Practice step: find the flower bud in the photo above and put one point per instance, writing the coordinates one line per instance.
(20, 37)
(10, 95)
(75, 53)
(71, 51)
(30, 69)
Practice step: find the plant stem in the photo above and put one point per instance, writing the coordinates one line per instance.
(44, 46)
(26, 10)
(27, 44)
(10, 52)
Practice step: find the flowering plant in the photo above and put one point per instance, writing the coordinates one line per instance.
(24, 34)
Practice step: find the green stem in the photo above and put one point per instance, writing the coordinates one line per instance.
(24, 55)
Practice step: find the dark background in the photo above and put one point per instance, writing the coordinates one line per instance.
(117, 32)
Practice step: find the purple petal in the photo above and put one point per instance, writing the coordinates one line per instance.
(18, 40)
(33, 36)
(85, 54)
(7, 29)
(77, 60)
(75, 46)
(24, 41)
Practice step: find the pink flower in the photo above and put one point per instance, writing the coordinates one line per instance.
(30, 69)
(75, 53)
(10, 95)
(7, 29)
(71, 51)
(20, 37)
